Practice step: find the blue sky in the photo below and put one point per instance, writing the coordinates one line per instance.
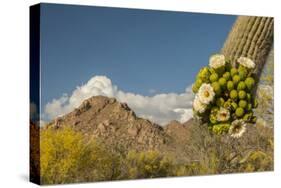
(142, 51)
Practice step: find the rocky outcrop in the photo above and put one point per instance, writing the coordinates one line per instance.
(113, 122)
(177, 130)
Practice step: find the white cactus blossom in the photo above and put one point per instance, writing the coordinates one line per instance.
(198, 106)
(223, 114)
(237, 128)
(206, 93)
(216, 61)
(246, 62)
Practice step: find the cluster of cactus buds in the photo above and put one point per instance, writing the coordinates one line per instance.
(224, 95)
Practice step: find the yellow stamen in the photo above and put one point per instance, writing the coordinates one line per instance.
(207, 94)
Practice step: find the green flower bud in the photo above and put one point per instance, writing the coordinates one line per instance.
(250, 82)
(233, 71)
(213, 115)
(242, 94)
(234, 105)
(242, 104)
(242, 71)
(216, 87)
(221, 128)
(227, 104)
(242, 68)
(236, 79)
(197, 85)
(194, 88)
(239, 112)
(233, 94)
(242, 75)
(198, 82)
(222, 82)
(220, 70)
(220, 101)
(241, 86)
(230, 85)
(216, 128)
(214, 77)
(204, 74)
(249, 107)
(226, 75)
(213, 118)
(212, 71)
(247, 117)
(249, 97)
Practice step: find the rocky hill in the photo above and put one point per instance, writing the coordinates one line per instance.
(116, 124)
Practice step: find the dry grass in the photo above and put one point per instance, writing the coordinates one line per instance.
(213, 154)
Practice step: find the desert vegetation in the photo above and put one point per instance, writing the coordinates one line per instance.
(67, 157)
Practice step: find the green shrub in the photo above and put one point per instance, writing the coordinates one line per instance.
(148, 164)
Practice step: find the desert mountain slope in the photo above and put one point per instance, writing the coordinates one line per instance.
(113, 122)
(177, 130)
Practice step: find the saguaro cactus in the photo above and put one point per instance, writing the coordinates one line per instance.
(251, 37)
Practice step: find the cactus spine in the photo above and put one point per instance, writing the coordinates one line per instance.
(251, 37)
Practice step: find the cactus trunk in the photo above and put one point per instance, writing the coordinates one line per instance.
(250, 37)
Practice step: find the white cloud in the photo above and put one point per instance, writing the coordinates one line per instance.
(160, 108)
(186, 114)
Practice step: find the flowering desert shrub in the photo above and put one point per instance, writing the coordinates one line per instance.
(224, 95)
(66, 157)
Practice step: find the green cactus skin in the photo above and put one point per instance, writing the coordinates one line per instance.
(250, 37)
